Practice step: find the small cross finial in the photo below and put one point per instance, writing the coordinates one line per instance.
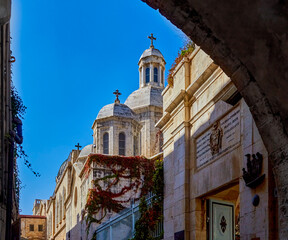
(151, 37)
(78, 146)
(117, 93)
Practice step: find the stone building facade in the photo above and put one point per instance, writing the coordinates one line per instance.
(248, 42)
(119, 129)
(33, 227)
(218, 182)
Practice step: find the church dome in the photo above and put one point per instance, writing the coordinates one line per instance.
(117, 110)
(151, 52)
(61, 169)
(86, 151)
(146, 96)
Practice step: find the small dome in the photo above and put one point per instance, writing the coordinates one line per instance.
(151, 52)
(61, 169)
(146, 96)
(117, 110)
(86, 151)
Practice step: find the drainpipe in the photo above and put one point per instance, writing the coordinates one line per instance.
(18, 138)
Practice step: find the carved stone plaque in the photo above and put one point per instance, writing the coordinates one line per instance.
(216, 138)
(220, 138)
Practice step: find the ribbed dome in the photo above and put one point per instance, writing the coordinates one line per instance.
(151, 52)
(146, 96)
(61, 169)
(117, 110)
(86, 151)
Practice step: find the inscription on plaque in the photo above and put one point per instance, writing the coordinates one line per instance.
(228, 136)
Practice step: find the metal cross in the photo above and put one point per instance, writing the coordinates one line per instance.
(78, 146)
(152, 38)
(117, 93)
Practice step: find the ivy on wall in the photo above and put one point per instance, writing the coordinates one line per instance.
(18, 110)
(143, 175)
(151, 214)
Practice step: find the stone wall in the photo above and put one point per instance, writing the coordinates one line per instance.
(193, 174)
(248, 42)
(36, 221)
(149, 142)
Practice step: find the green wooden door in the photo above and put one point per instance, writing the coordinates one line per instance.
(220, 220)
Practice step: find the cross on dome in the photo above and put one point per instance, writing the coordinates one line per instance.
(78, 146)
(151, 37)
(117, 93)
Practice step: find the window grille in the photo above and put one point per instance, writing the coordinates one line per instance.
(155, 74)
(147, 71)
(135, 146)
(31, 227)
(40, 228)
(106, 143)
(122, 144)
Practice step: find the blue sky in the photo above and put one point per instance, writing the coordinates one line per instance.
(70, 57)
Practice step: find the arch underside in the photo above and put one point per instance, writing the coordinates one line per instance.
(249, 41)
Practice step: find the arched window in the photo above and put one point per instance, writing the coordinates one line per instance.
(122, 144)
(160, 142)
(64, 198)
(155, 74)
(135, 146)
(75, 197)
(147, 71)
(106, 143)
(57, 213)
(55, 217)
(64, 194)
(60, 215)
(49, 226)
(162, 76)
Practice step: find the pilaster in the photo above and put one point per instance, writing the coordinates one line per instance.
(151, 73)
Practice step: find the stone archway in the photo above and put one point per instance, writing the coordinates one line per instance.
(249, 41)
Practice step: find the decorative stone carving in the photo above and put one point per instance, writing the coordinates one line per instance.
(213, 142)
(216, 138)
(252, 176)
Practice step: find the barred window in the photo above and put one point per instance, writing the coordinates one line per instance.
(31, 227)
(147, 71)
(40, 228)
(135, 146)
(106, 143)
(155, 74)
(122, 144)
(75, 197)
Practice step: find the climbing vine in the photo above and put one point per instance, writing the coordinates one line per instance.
(151, 215)
(18, 110)
(183, 52)
(109, 193)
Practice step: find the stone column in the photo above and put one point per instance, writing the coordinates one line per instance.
(151, 73)
(140, 77)
(187, 71)
(163, 75)
(159, 75)
(143, 76)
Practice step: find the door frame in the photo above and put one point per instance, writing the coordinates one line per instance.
(209, 216)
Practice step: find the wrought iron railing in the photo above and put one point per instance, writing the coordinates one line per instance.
(122, 226)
